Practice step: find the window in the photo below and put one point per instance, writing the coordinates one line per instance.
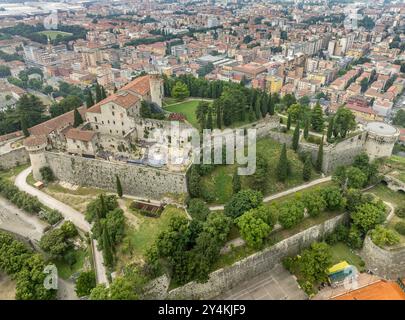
(95, 119)
(113, 113)
(122, 123)
(110, 131)
(96, 126)
(108, 121)
(114, 122)
(123, 132)
(102, 122)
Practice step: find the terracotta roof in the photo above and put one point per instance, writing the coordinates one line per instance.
(59, 122)
(380, 290)
(124, 99)
(32, 141)
(139, 85)
(11, 135)
(82, 135)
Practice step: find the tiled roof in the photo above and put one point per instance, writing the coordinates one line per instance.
(380, 290)
(82, 135)
(32, 141)
(59, 122)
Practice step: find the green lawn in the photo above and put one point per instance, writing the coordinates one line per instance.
(396, 167)
(341, 252)
(386, 194)
(138, 240)
(187, 108)
(52, 34)
(220, 180)
(65, 271)
(11, 174)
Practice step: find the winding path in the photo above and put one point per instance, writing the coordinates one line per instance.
(286, 192)
(68, 213)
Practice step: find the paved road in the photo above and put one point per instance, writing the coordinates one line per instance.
(70, 214)
(287, 192)
(275, 284)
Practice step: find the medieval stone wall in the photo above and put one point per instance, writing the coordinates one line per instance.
(386, 263)
(14, 158)
(226, 278)
(137, 180)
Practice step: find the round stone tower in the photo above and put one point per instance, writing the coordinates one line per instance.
(156, 88)
(35, 145)
(380, 140)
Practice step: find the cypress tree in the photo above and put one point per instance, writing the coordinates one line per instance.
(258, 111)
(307, 168)
(330, 130)
(317, 118)
(77, 118)
(103, 93)
(115, 89)
(296, 137)
(103, 207)
(263, 105)
(236, 184)
(209, 124)
(98, 93)
(107, 248)
(24, 126)
(119, 187)
(89, 99)
(319, 159)
(270, 105)
(289, 122)
(306, 129)
(194, 183)
(219, 117)
(282, 166)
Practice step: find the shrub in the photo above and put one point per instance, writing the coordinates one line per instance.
(198, 209)
(291, 214)
(85, 283)
(69, 229)
(314, 203)
(354, 237)
(400, 227)
(382, 236)
(51, 216)
(340, 234)
(243, 201)
(368, 215)
(333, 198)
(47, 174)
(400, 211)
(252, 229)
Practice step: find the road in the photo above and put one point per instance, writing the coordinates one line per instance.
(68, 213)
(287, 192)
(30, 227)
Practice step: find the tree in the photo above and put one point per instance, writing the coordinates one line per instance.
(243, 201)
(319, 158)
(344, 121)
(314, 203)
(333, 197)
(198, 209)
(103, 93)
(364, 85)
(291, 213)
(119, 187)
(289, 121)
(201, 113)
(296, 137)
(367, 216)
(399, 118)
(306, 129)
(218, 113)
(315, 261)
(252, 229)
(236, 183)
(89, 99)
(77, 118)
(100, 292)
(107, 249)
(85, 283)
(194, 183)
(209, 124)
(258, 111)
(317, 118)
(99, 95)
(350, 177)
(260, 177)
(180, 91)
(4, 71)
(69, 229)
(330, 130)
(47, 174)
(55, 243)
(295, 112)
(307, 168)
(24, 127)
(282, 166)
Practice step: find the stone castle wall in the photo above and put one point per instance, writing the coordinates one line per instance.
(135, 179)
(226, 278)
(386, 263)
(14, 158)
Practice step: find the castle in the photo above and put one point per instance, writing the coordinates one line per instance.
(115, 141)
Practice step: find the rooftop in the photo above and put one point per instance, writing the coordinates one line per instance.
(381, 128)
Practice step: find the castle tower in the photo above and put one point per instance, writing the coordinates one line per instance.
(156, 88)
(380, 140)
(35, 145)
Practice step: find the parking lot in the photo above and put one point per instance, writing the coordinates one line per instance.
(276, 284)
